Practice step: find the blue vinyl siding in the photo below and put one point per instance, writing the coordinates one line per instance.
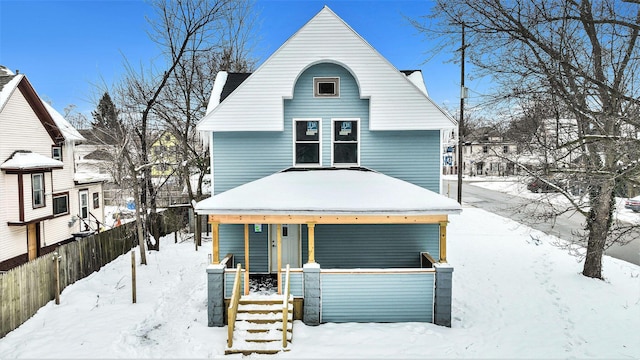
(229, 278)
(377, 297)
(241, 157)
(304, 105)
(372, 246)
(232, 241)
(296, 284)
(412, 156)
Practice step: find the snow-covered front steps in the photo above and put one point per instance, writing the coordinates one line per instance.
(258, 327)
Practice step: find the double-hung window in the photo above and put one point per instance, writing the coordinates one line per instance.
(345, 135)
(307, 141)
(56, 153)
(37, 189)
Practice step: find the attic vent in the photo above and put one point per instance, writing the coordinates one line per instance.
(326, 87)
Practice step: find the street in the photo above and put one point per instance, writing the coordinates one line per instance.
(527, 212)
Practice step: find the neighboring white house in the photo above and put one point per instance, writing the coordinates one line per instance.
(44, 202)
(488, 153)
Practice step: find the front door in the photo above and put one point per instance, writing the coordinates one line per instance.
(290, 246)
(33, 240)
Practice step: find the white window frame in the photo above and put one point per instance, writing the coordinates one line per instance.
(326, 79)
(83, 194)
(333, 142)
(53, 153)
(41, 191)
(295, 142)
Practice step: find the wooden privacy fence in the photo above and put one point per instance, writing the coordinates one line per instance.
(26, 288)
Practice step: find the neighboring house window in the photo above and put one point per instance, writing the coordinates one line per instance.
(56, 153)
(345, 141)
(505, 149)
(485, 149)
(60, 204)
(307, 142)
(326, 87)
(37, 187)
(96, 200)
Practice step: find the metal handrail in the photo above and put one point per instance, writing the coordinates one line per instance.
(233, 306)
(285, 308)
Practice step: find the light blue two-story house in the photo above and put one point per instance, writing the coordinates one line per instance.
(327, 159)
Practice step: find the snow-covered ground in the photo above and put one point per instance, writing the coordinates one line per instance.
(517, 187)
(514, 296)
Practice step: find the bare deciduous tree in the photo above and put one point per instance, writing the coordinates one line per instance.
(184, 101)
(182, 30)
(585, 55)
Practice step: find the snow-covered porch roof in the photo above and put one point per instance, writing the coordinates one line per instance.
(26, 161)
(328, 196)
(325, 196)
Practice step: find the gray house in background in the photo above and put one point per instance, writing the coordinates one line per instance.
(327, 158)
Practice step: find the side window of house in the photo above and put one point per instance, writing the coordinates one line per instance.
(485, 149)
(37, 188)
(56, 153)
(345, 142)
(96, 200)
(307, 142)
(60, 204)
(505, 149)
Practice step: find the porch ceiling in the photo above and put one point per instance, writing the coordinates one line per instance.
(328, 196)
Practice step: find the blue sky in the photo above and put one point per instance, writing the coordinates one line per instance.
(71, 49)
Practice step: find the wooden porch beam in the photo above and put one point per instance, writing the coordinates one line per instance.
(443, 242)
(327, 219)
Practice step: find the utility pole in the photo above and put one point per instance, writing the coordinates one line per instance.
(461, 122)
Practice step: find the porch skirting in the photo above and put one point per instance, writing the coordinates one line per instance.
(354, 295)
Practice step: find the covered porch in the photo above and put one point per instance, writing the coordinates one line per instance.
(378, 280)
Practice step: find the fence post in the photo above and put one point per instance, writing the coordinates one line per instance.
(56, 259)
(133, 276)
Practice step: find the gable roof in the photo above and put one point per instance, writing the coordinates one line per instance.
(233, 81)
(58, 128)
(224, 84)
(68, 131)
(325, 38)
